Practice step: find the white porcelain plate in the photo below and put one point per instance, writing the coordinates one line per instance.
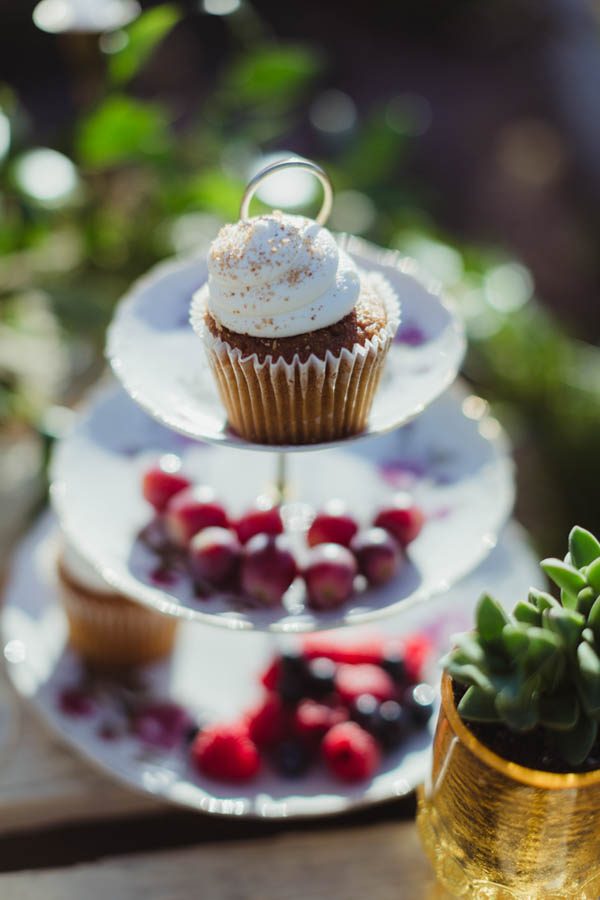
(453, 459)
(213, 674)
(161, 362)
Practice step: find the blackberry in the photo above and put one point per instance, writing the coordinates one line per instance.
(392, 724)
(393, 663)
(292, 759)
(365, 711)
(320, 678)
(293, 678)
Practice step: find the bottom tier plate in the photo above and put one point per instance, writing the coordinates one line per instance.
(214, 673)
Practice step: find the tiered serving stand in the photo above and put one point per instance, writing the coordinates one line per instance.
(440, 444)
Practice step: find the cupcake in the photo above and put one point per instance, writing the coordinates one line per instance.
(296, 336)
(106, 628)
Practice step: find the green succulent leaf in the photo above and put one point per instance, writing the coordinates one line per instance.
(540, 666)
(567, 624)
(559, 711)
(589, 677)
(594, 618)
(555, 675)
(470, 647)
(574, 746)
(491, 619)
(583, 547)
(569, 601)
(477, 706)
(527, 613)
(543, 645)
(519, 713)
(585, 601)
(564, 575)
(542, 599)
(515, 639)
(593, 575)
(467, 673)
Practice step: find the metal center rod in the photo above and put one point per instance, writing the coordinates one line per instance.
(281, 477)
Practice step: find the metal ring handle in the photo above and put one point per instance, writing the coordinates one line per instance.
(294, 163)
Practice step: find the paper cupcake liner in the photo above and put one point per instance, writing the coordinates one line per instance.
(111, 631)
(279, 402)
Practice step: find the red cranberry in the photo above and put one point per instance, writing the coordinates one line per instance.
(215, 555)
(377, 555)
(268, 568)
(163, 481)
(329, 576)
(402, 519)
(266, 520)
(332, 525)
(191, 510)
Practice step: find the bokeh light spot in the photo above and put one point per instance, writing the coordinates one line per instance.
(221, 7)
(56, 16)
(193, 231)
(438, 259)
(4, 134)
(508, 287)
(352, 211)
(409, 114)
(113, 41)
(47, 176)
(532, 152)
(333, 112)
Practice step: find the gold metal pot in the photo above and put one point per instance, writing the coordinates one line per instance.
(496, 830)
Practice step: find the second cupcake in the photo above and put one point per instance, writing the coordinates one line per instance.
(295, 335)
(107, 629)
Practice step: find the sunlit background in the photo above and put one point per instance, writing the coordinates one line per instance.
(466, 134)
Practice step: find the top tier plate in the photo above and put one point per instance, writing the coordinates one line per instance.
(160, 361)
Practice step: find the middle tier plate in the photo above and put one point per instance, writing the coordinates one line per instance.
(453, 459)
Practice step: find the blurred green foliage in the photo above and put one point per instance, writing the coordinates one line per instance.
(145, 185)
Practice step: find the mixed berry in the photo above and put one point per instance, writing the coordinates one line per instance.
(252, 558)
(343, 707)
(339, 706)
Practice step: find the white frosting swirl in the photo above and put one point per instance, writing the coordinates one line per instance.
(279, 275)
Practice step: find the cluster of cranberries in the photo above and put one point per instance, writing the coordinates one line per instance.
(252, 556)
(343, 705)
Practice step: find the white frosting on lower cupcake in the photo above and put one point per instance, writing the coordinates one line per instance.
(81, 572)
(278, 275)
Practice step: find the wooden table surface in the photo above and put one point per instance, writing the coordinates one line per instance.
(69, 833)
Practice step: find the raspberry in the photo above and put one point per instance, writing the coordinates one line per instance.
(350, 752)
(370, 651)
(352, 681)
(226, 752)
(268, 722)
(416, 650)
(313, 720)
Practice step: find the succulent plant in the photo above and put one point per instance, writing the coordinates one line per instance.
(540, 666)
